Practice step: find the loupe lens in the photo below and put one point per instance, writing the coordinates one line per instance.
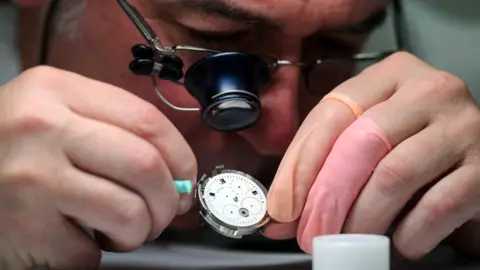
(228, 87)
(232, 114)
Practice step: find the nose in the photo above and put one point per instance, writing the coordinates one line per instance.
(280, 115)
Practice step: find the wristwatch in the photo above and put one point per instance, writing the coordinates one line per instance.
(233, 203)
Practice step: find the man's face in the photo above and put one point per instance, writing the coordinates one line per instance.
(295, 30)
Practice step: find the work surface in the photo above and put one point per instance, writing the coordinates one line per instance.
(187, 257)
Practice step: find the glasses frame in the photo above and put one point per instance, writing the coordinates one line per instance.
(160, 51)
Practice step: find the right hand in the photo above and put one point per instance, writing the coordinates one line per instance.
(76, 153)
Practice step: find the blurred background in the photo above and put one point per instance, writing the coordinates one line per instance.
(8, 56)
(445, 33)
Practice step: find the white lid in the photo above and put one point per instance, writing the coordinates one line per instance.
(351, 252)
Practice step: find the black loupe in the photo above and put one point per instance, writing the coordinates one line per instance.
(228, 86)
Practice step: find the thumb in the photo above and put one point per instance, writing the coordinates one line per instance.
(302, 162)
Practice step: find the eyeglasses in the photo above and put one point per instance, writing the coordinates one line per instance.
(227, 85)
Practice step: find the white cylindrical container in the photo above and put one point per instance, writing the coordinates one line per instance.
(351, 252)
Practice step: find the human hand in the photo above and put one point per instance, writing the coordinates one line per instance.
(420, 128)
(75, 153)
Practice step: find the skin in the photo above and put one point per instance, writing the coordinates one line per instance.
(104, 149)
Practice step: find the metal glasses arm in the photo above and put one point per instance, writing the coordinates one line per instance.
(193, 49)
(359, 57)
(142, 26)
(367, 56)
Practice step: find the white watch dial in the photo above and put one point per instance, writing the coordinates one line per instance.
(235, 200)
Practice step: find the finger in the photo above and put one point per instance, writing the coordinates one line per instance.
(399, 176)
(446, 206)
(360, 147)
(104, 206)
(314, 141)
(280, 231)
(110, 104)
(69, 247)
(287, 194)
(118, 155)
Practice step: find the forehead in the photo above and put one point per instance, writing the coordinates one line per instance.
(306, 16)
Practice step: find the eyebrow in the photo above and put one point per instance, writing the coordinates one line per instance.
(223, 9)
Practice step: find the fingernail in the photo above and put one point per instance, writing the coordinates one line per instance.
(185, 189)
(183, 186)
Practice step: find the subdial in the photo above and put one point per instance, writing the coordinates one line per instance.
(253, 205)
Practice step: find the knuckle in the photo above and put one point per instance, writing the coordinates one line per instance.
(445, 86)
(24, 115)
(390, 177)
(20, 173)
(149, 121)
(148, 161)
(476, 117)
(40, 77)
(472, 115)
(396, 60)
(465, 130)
(131, 213)
(436, 207)
(400, 57)
(475, 125)
(132, 228)
(129, 245)
(29, 121)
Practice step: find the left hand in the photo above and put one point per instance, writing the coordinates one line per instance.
(420, 128)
